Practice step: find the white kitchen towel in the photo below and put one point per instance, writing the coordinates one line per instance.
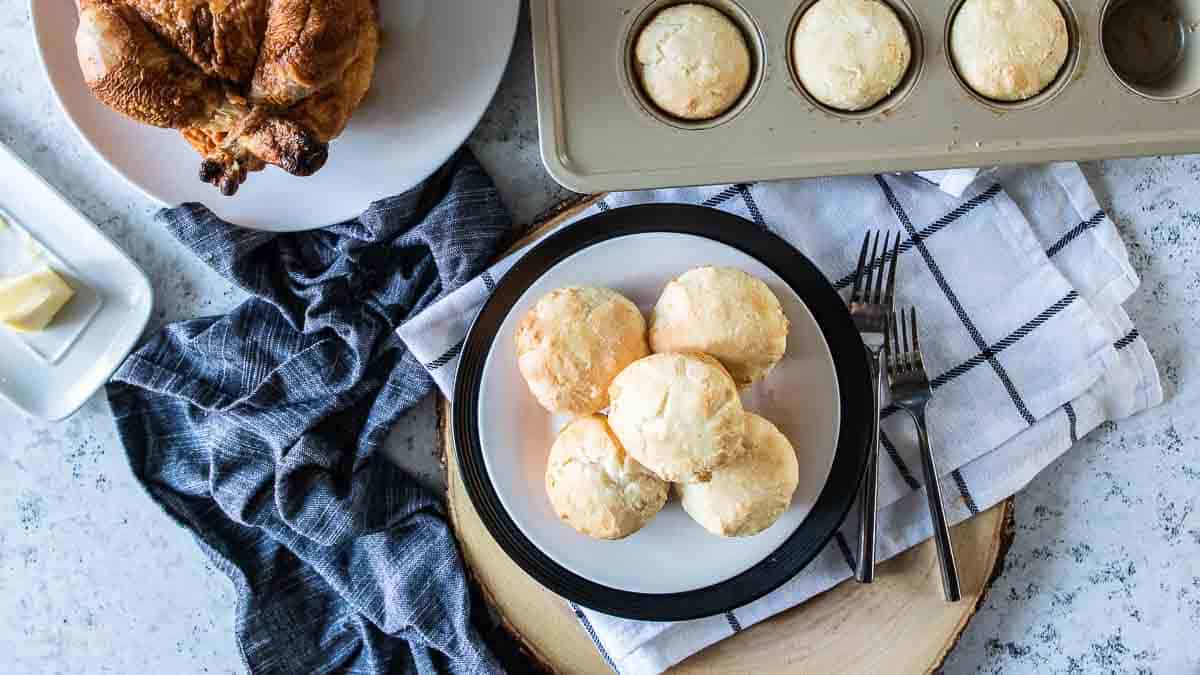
(1019, 284)
(951, 181)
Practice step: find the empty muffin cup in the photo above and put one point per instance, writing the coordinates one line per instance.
(1010, 61)
(714, 97)
(1153, 46)
(846, 62)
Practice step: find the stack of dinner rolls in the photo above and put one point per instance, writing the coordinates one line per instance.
(671, 394)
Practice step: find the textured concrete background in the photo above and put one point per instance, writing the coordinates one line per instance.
(1104, 575)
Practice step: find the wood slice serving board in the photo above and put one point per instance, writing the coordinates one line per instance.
(899, 624)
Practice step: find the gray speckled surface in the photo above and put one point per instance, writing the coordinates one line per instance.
(1104, 575)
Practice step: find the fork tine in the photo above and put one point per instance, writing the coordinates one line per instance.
(871, 270)
(861, 269)
(897, 348)
(889, 295)
(877, 295)
(905, 347)
(916, 342)
(887, 340)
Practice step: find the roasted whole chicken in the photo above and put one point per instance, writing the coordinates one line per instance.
(247, 82)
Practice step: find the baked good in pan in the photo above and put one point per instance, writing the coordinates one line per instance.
(595, 486)
(679, 415)
(1009, 50)
(850, 54)
(723, 312)
(573, 342)
(748, 494)
(692, 61)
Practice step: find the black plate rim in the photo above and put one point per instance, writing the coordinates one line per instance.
(855, 391)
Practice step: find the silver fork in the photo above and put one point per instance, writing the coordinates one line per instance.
(871, 301)
(911, 392)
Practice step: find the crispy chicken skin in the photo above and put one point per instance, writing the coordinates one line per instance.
(308, 46)
(327, 111)
(129, 70)
(247, 82)
(219, 36)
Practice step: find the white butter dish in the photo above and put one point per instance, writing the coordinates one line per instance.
(50, 374)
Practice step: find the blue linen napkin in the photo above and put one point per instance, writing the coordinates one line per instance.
(259, 431)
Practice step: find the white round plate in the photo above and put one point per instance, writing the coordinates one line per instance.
(672, 554)
(438, 68)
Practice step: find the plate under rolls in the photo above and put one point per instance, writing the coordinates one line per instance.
(774, 566)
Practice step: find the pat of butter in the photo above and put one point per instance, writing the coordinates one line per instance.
(29, 303)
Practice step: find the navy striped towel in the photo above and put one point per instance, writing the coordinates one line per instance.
(1019, 282)
(260, 431)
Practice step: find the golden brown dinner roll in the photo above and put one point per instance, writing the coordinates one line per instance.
(724, 312)
(693, 61)
(747, 495)
(1009, 50)
(677, 414)
(595, 487)
(849, 54)
(573, 343)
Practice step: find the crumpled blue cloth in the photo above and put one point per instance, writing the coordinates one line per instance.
(259, 431)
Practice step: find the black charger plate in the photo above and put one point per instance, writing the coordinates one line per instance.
(854, 384)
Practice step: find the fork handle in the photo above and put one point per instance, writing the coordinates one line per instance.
(937, 512)
(869, 492)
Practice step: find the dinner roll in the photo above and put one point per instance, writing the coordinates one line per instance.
(724, 312)
(849, 54)
(693, 61)
(573, 343)
(595, 487)
(1009, 50)
(677, 414)
(747, 495)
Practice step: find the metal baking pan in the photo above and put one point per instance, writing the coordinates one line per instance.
(1130, 93)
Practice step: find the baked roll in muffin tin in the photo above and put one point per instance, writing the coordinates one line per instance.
(1127, 86)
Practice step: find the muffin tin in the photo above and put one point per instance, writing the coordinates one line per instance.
(1127, 88)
